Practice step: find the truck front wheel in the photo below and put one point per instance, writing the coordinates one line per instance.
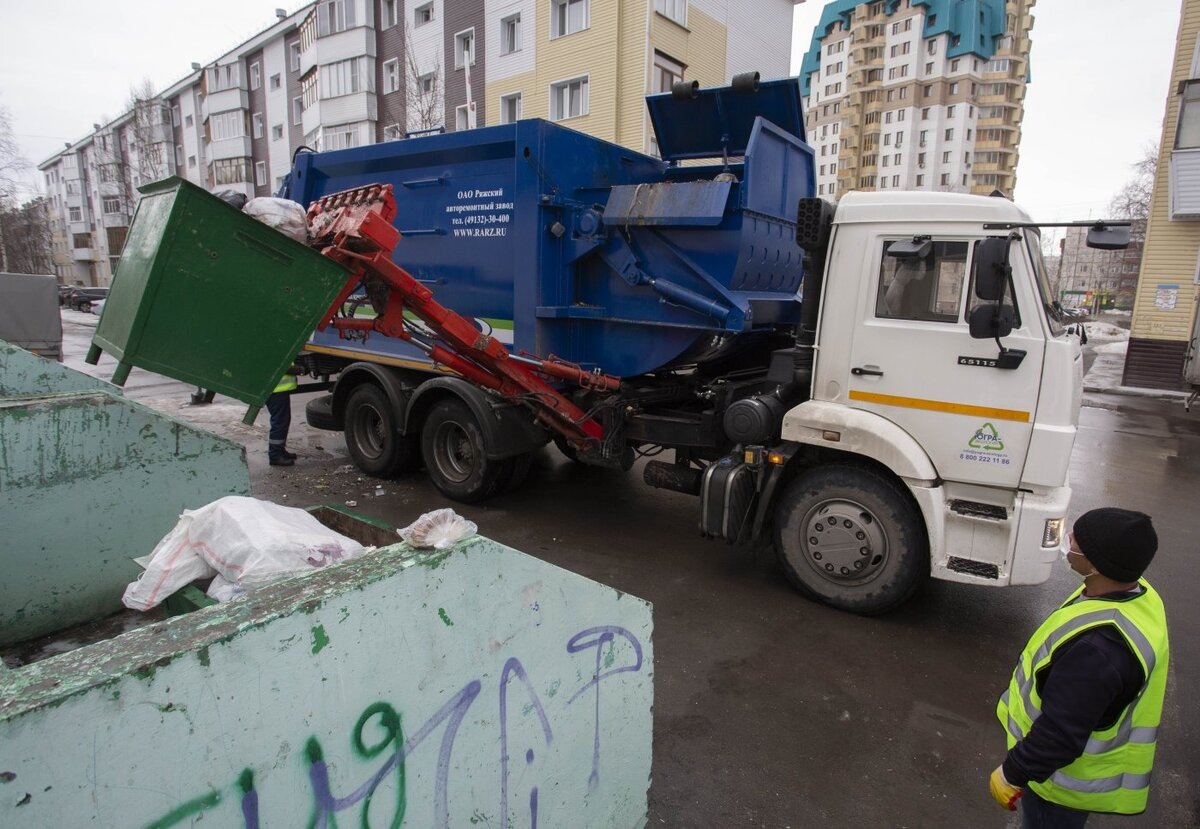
(371, 437)
(453, 446)
(850, 537)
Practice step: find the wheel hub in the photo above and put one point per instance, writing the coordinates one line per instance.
(455, 454)
(843, 541)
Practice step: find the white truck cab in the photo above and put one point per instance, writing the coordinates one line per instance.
(978, 431)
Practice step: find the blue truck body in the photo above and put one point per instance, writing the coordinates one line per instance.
(590, 251)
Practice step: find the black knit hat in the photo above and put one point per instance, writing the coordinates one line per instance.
(1119, 543)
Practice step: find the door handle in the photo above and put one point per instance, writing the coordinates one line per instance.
(859, 371)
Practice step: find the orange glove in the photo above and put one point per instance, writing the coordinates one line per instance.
(1004, 792)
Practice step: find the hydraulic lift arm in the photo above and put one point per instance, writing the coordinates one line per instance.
(354, 228)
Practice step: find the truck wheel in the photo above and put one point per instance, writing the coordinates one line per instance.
(850, 537)
(375, 446)
(453, 448)
(515, 471)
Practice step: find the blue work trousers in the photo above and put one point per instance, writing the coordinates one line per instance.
(279, 406)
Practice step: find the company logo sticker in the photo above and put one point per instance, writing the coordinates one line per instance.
(986, 447)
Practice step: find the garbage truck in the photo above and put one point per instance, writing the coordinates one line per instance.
(885, 388)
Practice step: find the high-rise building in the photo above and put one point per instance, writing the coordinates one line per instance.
(917, 94)
(344, 73)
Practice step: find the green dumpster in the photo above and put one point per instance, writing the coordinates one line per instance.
(210, 296)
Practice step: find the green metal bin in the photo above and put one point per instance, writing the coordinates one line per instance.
(210, 296)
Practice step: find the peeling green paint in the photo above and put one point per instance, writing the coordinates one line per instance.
(345, 615)
(185, 810)
(554, 686)
(445, 617)
(202, 654)
(320, 639)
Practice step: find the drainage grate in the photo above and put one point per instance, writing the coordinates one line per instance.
(974, 509)
(974, 568)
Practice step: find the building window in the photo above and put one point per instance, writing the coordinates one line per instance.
(667, 73)
(464, 48)
(462, 118)
(950, 134)
(276, 81)
(928, 90)
(1187, 132)
(75, 214)
(422, 15)
(231, 171)
(294, 56)
(391, 13)
(257, 123)
(510, 34)
(255, 75)
(950, 111)
(81, 240)
(191, 161)
(427, 83)
(231, 124)
(178, 159)
(277, 132)
(931, 45)
(920, 181)
(392, 132)
(510, 108)
(929, 68)
(674, 9)
(175, 116)
(297, 109)
(954, 65)
(391, 75)
(339, 137)
(954, 88)
(260, 173)
(568, 17)
(569, 99)
(898, 72)
(335, 16)
(346, 77)
(946, 157)
(945, 181)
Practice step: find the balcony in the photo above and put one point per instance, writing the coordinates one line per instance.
(87, 254)
(1185, 184)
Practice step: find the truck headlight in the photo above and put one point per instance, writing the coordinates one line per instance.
(1052, 535)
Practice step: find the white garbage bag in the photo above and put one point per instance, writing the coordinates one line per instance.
(282, 214)
(440, 529)
(245, 542)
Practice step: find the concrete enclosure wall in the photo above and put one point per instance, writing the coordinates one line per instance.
(474, 687)
(89, 481)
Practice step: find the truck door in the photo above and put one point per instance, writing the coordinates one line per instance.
(914, 362)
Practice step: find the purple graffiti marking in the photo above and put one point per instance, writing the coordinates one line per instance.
(452, 713)
(512, 668)
(598, 638)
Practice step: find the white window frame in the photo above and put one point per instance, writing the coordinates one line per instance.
(294, 56)
(510, 34)
(507, 101)
(391, 76)
(227, 125)
(188, 120)
(276, 132)
(556, 90)
(664, 66)
(74, 214)
(675, 10)
(297, 109)
(255, 75)
(562, 27)
(258, 126)
(462, 118)
(260, 173)
(393, 132)
(423, 15)
(393, 11)
(276, 82)
(191, 161)
(464, 41)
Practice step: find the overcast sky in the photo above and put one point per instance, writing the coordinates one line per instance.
(1101, 71)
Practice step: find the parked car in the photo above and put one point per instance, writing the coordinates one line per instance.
(98, 306)
(81, 298)
(64, 291)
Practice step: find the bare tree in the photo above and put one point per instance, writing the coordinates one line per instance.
(25, 232)
(424, 101)
(1132, 201)
(146, 132)
(12, 166)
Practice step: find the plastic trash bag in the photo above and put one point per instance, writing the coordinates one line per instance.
(232, 197)
(245, 542)
(440, 529)
(282, 214)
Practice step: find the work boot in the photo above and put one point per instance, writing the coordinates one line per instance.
(282, 460)
(291, 456)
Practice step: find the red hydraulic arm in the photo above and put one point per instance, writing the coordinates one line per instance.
(354, 228)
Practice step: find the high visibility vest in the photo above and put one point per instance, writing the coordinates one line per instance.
(1113, 773)
(287, 383)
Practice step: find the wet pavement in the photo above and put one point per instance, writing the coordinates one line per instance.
(777, 712)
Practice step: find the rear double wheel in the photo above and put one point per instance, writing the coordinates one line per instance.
(371, 437)
(455, 453)
(851, 537)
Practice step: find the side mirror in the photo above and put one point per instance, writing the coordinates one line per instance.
(992, 270)
(991, 322)
(918, 247)
(1107, 237)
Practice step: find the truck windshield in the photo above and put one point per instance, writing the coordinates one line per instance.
(1054, 314)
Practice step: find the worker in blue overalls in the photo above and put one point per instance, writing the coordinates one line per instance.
(279, 406)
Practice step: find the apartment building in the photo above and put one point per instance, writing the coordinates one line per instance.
(344, 73)
(1094, 279)
(917, 94)
(1164, 326)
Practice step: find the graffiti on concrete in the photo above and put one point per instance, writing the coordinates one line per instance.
(394, 747)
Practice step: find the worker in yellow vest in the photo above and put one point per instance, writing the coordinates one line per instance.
(1081, 712)
(279, 407)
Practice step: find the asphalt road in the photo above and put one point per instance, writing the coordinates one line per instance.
(773, 711)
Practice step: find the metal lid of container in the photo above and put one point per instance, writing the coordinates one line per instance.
(711, 123)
